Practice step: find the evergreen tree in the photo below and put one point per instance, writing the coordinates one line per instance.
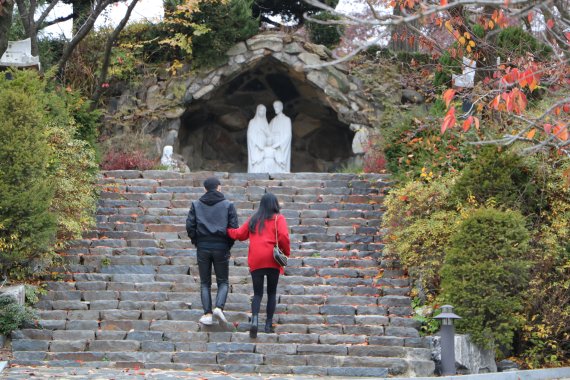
(27, 227)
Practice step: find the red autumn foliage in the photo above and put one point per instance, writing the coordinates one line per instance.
(135, 160)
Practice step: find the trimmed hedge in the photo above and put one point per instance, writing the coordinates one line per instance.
(484, 274)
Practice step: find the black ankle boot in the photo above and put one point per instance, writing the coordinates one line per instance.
(253, 328)
(269, 326)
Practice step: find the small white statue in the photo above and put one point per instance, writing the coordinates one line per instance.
(361, 138)
(279, 143)
(257, 136)
(166, 158)
(467, 78)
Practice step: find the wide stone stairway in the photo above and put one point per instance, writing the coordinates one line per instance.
(128, 294)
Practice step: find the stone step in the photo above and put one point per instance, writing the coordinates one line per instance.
(198, 352)
(272, 364)
(95, 300)
(415, 367)
(309, 260)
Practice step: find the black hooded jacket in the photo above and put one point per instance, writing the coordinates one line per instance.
(208, 219)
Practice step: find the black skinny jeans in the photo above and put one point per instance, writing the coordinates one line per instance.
(258, 277)
(220, 260)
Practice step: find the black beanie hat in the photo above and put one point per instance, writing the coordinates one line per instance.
(211, 183)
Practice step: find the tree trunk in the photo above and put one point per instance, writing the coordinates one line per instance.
(107, 57)
(5, 24)
(80, 35)
(26, 11)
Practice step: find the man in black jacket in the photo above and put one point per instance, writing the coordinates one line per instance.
(208, 219)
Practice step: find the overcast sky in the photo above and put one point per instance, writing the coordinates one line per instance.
(145, 10)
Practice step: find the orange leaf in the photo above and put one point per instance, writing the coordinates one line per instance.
(531, 133)
(547, 128)
(550, 24)
(566, 107)
(476, 120)
(495, 103)
(443, 2)
(467, 123)
(557, 111)
(561, 131)
(448, 96)
(449, 120)
(530, 16)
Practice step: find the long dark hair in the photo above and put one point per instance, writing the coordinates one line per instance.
(268, 206)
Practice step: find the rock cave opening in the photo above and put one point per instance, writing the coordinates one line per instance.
(213, 129)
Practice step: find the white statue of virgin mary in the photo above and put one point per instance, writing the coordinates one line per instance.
(257, 136)
(280, 131)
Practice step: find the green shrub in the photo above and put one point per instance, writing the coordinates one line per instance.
(438, 108)
(416, 200)
(484, 274)
(478, 30)
(412, 146)
(328, 35)
(13, 315)
(141, 41)
(422, 246)
(26, 190)
(545, 337)
(228, 22)
(419, 221)
(75, 169)
(502, 176)
(47, 184)
(514, 41)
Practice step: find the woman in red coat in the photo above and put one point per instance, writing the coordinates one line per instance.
(261, 231)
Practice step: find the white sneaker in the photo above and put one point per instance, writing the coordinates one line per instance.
(206, 319)
(219, 314)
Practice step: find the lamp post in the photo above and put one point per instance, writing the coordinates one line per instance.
(447, 334)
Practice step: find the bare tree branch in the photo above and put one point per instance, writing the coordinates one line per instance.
(46, 12)
(56, 21)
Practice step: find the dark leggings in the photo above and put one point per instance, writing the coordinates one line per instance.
(272, 279)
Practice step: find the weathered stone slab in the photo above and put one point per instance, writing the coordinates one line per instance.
(114, 345)
(239, 358)
(82, 325)
(321, 349)
(156, 346)
(30, 345)
(68, 346)
(73, 335)
(194, 358)
(125, 325)
(230, 347)
(178, 326)
(357, 372)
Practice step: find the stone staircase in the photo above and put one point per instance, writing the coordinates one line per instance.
(129, 294)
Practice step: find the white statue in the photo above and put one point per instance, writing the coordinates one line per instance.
(257, 136)
(467, 78)
(278, 158)
(361, 138)
(166, 158)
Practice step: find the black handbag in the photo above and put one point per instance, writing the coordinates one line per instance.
(278, 255)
